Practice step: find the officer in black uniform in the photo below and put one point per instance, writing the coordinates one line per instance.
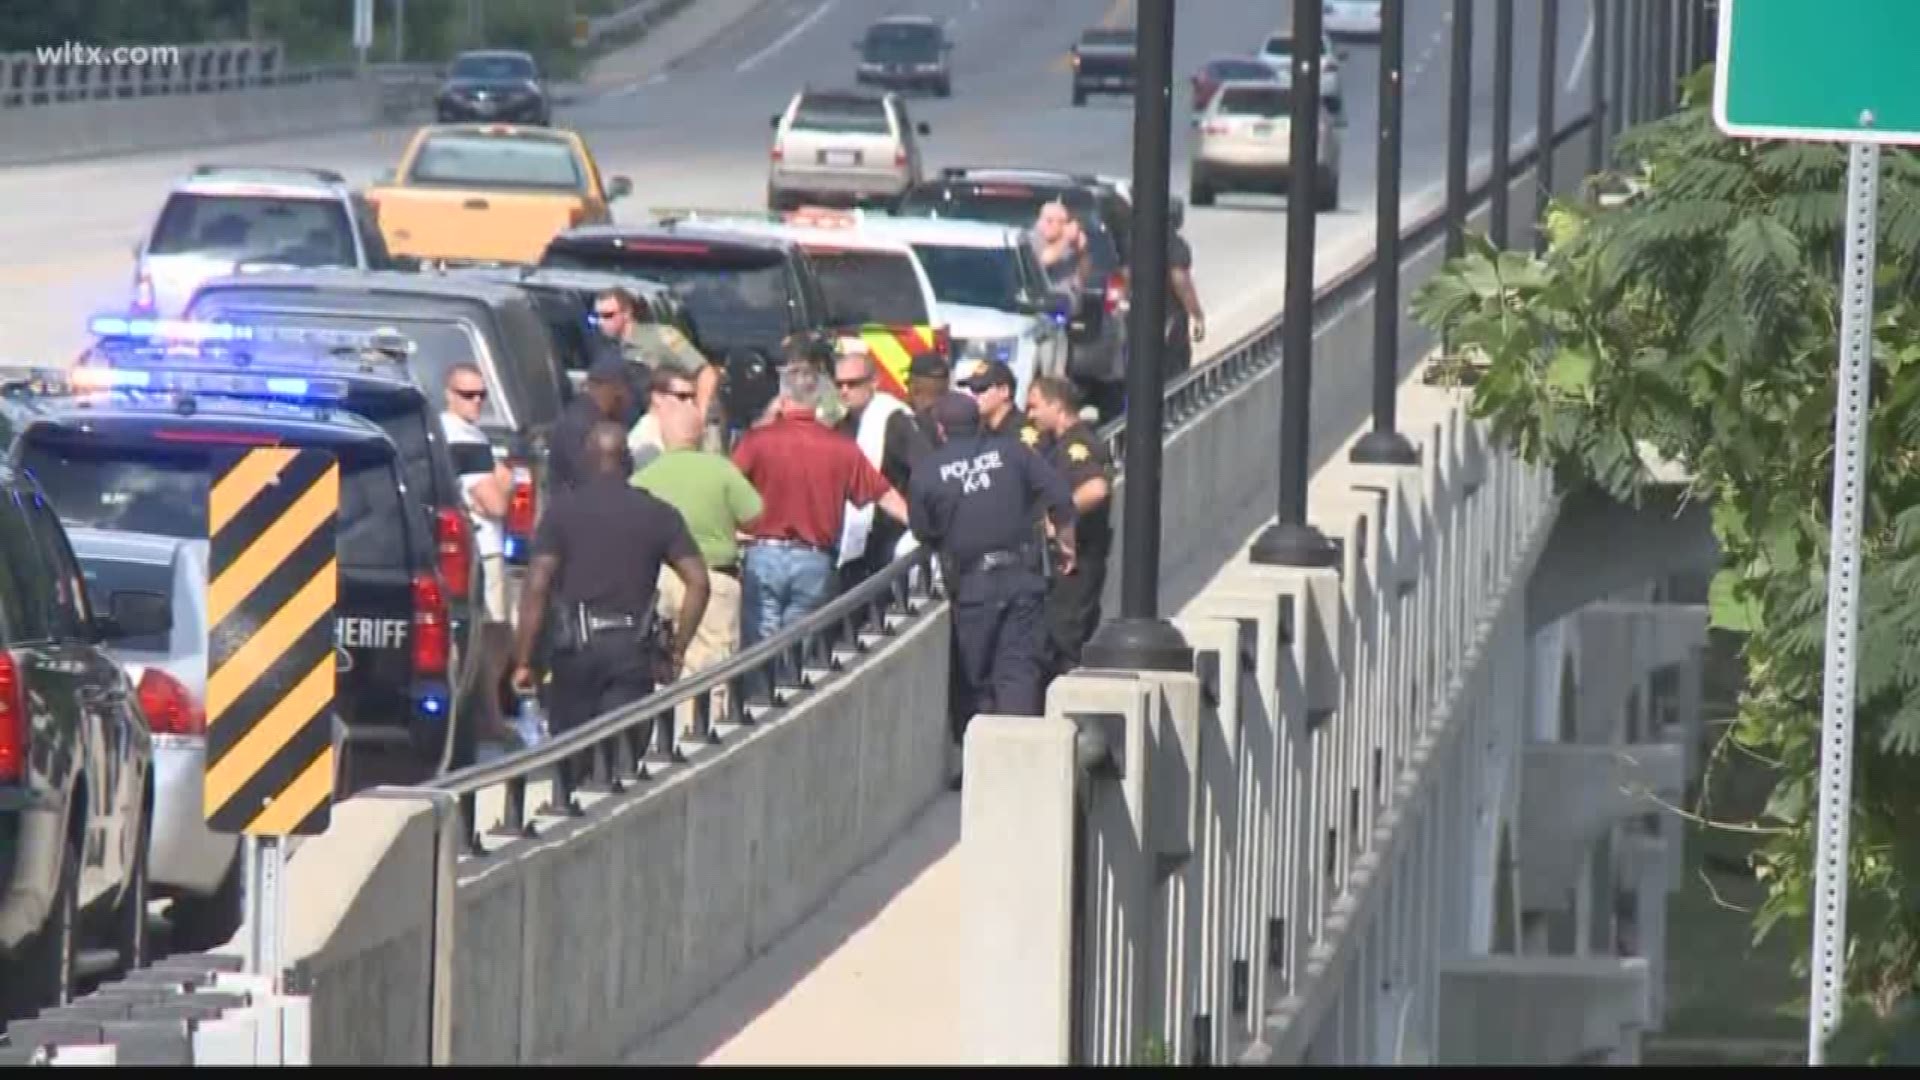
(1072, 447)
(974, 500)
(608, 396)
(994, 387)
(596, 564)
(929, 378)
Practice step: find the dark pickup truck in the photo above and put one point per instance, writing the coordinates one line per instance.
(1103, 61)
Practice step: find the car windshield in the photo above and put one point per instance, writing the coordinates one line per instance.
(981, 277)
(842, 115)
(733, 297)
(897, 42)
(494, 161)
(143, 486)
(492, 68)
(870, 287)
(106, 577)
(1279, 46)
(1239, 69)
(290, 231)
(1267, 102)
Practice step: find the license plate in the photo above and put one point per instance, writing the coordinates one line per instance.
(1263, 129)
(840, 157)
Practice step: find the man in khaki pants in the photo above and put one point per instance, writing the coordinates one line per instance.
(716, 500)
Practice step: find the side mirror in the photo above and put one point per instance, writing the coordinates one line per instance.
(134, 614)
(386, 176)
(923, 128)
(774, 122)
(620, 188)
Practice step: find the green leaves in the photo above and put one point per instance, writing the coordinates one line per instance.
(1697, 316)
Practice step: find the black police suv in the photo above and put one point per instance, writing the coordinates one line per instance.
(488, 85)
(141, 460)
(745, 296)
(906, 52)
(445, 318)
(76, 769)
(1104, 61)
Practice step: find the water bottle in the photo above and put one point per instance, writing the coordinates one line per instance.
(529, 722)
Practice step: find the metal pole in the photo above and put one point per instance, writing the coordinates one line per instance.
(1617, 75)
(1384, 445)
(1637, 63)
(1602, 105)
(399, 30)
(1544, 141)
(1501, 216)
(1140, 639)
(1459, 113)
(1291, 541)
(1851, 410)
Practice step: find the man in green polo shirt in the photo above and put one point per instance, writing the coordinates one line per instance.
(717, 501)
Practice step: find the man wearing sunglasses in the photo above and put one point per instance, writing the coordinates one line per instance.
(486, 485)
(655, 347)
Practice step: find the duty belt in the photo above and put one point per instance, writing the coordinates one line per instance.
(999, 560)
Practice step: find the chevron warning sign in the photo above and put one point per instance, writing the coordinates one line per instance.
(271, 517)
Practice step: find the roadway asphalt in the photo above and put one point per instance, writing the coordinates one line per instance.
(697, 134)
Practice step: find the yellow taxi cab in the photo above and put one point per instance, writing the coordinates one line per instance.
(490, 193)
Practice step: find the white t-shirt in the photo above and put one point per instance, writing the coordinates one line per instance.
(472, 468)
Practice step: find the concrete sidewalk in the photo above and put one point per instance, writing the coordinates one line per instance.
(698, 23)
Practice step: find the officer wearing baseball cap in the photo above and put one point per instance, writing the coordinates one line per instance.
(608, 396)
(974, 500)
(996, 391)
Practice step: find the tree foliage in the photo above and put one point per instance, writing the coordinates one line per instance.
(1692, 316)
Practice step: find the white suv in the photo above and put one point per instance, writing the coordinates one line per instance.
(1246, 144)
(992, 293)
(838, 147)
(1279, 52)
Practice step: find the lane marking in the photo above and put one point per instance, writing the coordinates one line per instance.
(1580, 58)
(785, 39)
(1118, 14)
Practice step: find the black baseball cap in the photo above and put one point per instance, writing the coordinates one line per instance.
(929, 366)
(987, 374)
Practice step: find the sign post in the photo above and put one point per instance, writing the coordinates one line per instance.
(271, 521)
(1806, 70)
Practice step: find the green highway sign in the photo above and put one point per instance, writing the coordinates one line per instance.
(1826, 70)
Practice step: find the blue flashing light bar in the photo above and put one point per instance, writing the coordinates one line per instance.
(109, 326)
(98, 378)
(188, 331)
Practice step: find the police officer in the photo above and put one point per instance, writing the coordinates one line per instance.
(596, 566)
(994, 387)
(1072, 447)
(609, 397)
(974, 500)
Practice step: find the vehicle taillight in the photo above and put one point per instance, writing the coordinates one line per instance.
(14, 724)
(899, 159)
(521, 507)
(576, 215)
(143, 300)
(431, 635)
(169, 706)
(942, 342)
(455, 549)
(1214, 127)
(776, 153)
(1116, 298)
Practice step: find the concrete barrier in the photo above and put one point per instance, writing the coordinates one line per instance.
(573, 947)
(63, 130)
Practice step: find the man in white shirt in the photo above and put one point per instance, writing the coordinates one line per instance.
(487, 485)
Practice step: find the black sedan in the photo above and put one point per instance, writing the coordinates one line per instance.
(494, 85)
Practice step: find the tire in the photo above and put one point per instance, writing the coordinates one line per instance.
(205, 923)
(1079, 97)
(945, 89)
(131, 938)
(48, 961)
(1199, 193)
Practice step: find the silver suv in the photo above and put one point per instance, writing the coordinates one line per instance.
(226, 219)
(843, 148)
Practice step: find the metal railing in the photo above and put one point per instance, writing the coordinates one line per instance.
(27, 81)
(641, 16)
(632, 744)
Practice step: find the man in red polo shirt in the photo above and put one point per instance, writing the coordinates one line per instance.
(806, 474)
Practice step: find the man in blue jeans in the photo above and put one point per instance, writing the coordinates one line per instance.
(806, 473)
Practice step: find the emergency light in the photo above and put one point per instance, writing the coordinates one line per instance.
(93, 378)
(109, 326)
(163, 331)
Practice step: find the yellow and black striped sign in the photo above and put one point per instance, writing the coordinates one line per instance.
(271, 517)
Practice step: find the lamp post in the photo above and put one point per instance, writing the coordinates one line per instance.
(1459, 112)
(1385, 445)
(1501, 215)
(1602, 107)
(1139, 639)
(1544, 140)
(1291, 541)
